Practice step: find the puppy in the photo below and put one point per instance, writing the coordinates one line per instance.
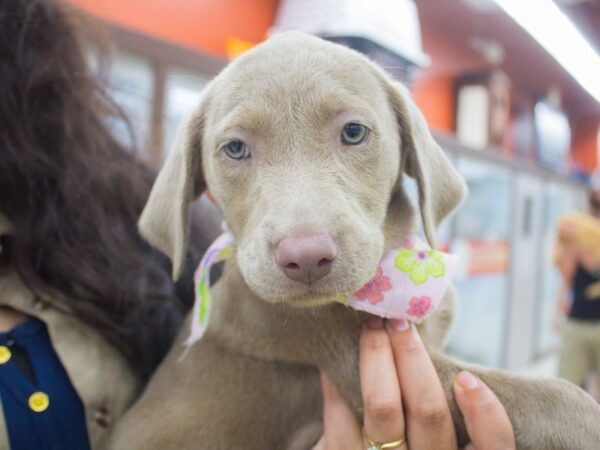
(275, 140)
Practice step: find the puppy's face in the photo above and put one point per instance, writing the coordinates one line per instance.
(301, 152)
(302, 144)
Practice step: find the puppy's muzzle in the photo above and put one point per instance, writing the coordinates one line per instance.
(306, 258)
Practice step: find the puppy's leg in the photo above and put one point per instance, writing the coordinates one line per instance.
(548, 414)
(306, 437)
(217, 399)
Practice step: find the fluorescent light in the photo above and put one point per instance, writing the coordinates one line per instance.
(547, 24)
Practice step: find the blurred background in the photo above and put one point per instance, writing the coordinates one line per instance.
(511, 89)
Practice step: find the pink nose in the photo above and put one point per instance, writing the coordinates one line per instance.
(306, 258)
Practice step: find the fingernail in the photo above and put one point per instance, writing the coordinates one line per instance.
(466, 380)
(375, 323)
(399, 324)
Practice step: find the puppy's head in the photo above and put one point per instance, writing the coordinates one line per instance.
(303, 144)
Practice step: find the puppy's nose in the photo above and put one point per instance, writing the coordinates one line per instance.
(306, 258)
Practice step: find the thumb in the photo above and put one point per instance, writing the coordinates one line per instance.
(487, 423)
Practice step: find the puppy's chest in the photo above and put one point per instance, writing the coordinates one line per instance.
(325, 337)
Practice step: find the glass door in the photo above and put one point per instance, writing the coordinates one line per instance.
(482, 242)
(525, 254)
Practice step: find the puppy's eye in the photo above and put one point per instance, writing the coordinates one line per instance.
(354, 133)
(237, 150)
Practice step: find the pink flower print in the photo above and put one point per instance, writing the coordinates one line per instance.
(419, 307)
(374, 289)
(408, 243)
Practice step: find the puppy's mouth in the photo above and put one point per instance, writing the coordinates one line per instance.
(312, 301)
(312, 276)
(330, 289)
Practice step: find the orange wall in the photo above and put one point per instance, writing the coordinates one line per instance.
(201, 25)
(435, 97)
(584, 143)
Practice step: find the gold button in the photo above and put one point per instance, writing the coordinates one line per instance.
(5, 354)
(103, 417)
(39, 304)
(39, 402)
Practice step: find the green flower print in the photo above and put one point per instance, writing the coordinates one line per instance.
(204, 302)
(342, 298)
(420, 264)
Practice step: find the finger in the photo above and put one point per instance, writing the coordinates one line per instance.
(487, 423)
(428, 421)
(321, 444)
(341, 429)
(384, 419)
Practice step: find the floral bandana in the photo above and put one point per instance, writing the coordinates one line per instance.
(409, 283)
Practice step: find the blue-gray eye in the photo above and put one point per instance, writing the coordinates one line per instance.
(354, 133)
(237, 150)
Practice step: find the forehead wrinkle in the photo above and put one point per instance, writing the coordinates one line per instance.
(329, 105)
(327, 93)
(294, 102)
(247, 119)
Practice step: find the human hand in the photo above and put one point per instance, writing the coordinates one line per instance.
(404, 401)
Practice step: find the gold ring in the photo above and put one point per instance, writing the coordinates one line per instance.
(384, 445)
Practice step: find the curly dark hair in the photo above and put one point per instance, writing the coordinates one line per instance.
(73, 193)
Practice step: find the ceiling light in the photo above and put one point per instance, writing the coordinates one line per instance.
(547, 24)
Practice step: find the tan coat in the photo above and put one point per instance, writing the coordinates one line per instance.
(98, 371)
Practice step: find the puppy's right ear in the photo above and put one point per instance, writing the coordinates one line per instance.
(441, 187)
(164, 221)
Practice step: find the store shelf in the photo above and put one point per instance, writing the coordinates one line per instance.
(495, 155)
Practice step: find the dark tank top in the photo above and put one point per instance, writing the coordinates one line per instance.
(582, 307)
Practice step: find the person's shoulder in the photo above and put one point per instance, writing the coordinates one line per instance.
(579, 225)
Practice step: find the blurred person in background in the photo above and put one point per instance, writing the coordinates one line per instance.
(87, 307)
(577, 312)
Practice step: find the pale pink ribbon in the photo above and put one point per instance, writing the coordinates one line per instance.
(409, 283)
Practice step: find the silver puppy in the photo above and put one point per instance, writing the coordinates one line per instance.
(268, 142)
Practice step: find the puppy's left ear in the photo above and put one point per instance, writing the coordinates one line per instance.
(441, 188)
